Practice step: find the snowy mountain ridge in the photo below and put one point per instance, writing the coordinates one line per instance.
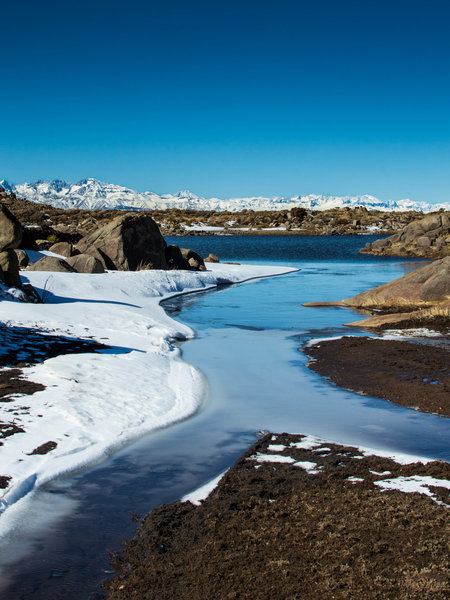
(94, 194)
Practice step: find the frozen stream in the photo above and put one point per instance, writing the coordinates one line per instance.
(248, 348)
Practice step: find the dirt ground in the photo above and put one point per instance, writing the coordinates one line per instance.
(273, 531)
(410, 374)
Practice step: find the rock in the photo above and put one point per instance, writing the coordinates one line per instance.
(175, 259)
(43, 244)
(427, 237)
(62, 248)
(427, 286)
(84, 263)
(52, 263)
(10, 230)
(23, 259)
(195, 260)
(423, 241)
(212, 258)
(425, 315)
(9, 268)
(126, 243)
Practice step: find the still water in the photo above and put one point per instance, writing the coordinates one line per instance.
(248, 346)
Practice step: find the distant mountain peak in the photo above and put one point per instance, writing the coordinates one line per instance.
(91, 193)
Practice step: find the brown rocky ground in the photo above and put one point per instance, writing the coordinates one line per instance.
(410, 374)
(274, 530)
(428, 236)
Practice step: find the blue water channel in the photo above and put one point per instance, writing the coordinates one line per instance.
(249, 347)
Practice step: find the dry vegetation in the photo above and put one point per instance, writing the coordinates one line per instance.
(277, 532)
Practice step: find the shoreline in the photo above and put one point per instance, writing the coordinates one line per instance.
(297, 516)
(403, 372)
(85, 413)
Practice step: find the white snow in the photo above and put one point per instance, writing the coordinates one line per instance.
(308, 443)
(204, 491)
(415, 483)
(91, 194)
(316, 341)
(308, 466)
(276, 458)
(276, 447)
(95, 403)
(395, 334)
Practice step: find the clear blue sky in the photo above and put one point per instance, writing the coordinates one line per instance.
(228, 97)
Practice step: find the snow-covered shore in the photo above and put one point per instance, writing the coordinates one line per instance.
(95, 403)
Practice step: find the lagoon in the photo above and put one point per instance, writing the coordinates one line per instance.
(248, 346)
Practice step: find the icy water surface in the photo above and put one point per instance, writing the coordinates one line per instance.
(249, 340)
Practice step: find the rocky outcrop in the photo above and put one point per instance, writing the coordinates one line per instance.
(9, 268)
(426, 317)
(10, 238)
(10, 230)
(427, 286)
(83, 263)
(62, 248)
(428, 237)
(127, 243)
(53, 264)
(212, 258)
(194, 260)
(23, 259)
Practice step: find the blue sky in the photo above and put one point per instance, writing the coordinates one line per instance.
(230, 98)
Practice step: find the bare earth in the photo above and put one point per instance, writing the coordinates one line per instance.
(410, 374)
(274, 531)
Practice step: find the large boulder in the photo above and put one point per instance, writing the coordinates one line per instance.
(10, 230)
(23, 258)
(427, 286)
(62, 248)
(195, 261)
(212, 258)
(84, 263)
(428, 237)
(52, 263)
(9, 268)
(126, 243)
(175, 260)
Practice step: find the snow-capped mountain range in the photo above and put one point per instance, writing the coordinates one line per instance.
(93, 194)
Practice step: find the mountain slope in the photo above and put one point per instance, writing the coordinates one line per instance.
(93, 194)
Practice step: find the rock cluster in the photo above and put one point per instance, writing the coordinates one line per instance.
(428, 237)
(421, 294)
(427, 286)
(129, 242)
(10, 238)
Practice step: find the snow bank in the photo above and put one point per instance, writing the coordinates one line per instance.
(95, 403)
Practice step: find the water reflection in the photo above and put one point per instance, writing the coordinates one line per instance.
(248, 344)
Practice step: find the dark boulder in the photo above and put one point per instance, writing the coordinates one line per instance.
(23, 259)
(84, 263)
(175, 259)
(195, 261)
(10, 230)
(62, 248)
(9, 268)
(128, 242)
(52, 263)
